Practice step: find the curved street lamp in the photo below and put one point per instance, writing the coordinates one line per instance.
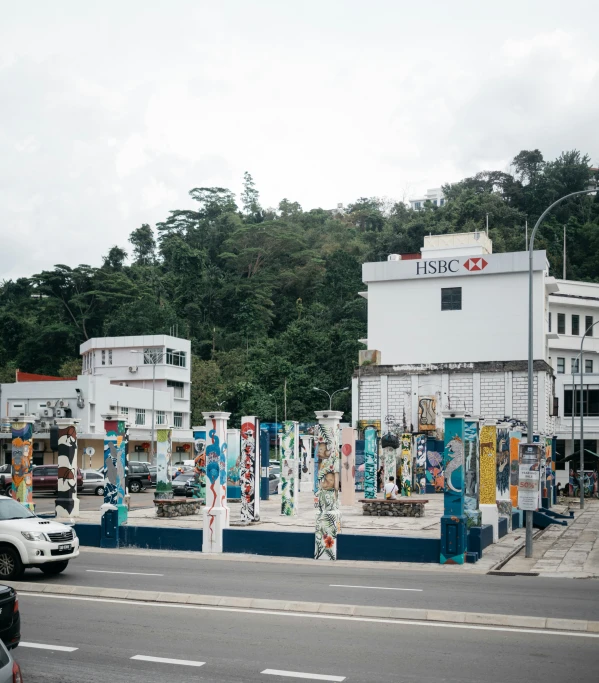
(330, 395)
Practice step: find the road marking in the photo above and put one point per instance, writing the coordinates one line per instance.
(310, 615)
(42, 646)
(166, 660)
(105, 571)
(376, 588)
(299, 674)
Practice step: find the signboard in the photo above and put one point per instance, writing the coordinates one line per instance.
(529, 480)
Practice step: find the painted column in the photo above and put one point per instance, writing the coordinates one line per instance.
(548, 471)
(515, 438)
(553, 463)
(233, 463)
(453, 522)
(290, 468)
(164, 486)
(348, 465)
(328, 517)
(249, 469)
(306, 463)
(22, 460)
(406, 465)
(502, 478)
(488, 475)
(216, 512)
(199, 450)
(471, 474)
(435, 482)
(116, 443)
(67, 502)
(370, 459)
(420, 469)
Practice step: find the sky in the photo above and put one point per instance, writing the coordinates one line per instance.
(111, 111)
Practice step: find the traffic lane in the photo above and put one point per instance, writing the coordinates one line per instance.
(330, 582)
(45, 502)
(237, 646)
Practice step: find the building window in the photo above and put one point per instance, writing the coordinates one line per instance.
(575, 325)
(176, 386)
(434, 202)
(451, 299)
(178, 420)
(561, 366)
(575, 367)
(417, 205)
(588, 325)
(590, 402)
(140, 416)
(109, 356)
(549, 322)
(177, 358)
(124, 411)
(160, 417)
(561, 323)
(588, 366)
(103, 357)
(151, 356)
(441, 202)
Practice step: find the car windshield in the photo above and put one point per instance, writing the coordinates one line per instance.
(11, 509)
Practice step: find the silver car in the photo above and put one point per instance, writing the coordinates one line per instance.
(10, 671)
(93, 482)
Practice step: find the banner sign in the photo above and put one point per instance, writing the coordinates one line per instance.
(529, 463)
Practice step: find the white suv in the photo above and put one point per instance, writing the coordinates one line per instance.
(30, 541)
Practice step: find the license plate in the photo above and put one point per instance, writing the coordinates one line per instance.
(64, 546)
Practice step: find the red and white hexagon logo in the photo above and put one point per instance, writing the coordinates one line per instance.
(477, 263)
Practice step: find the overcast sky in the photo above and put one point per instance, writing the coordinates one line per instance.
(110, 111)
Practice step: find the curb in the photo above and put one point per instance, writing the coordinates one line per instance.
(391, 613)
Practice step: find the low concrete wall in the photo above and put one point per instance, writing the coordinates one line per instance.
(503, 527)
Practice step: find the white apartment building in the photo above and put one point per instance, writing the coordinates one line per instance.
(116, 379)
(434, 195)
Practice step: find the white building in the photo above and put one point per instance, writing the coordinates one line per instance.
(115, 379)
(434, 195)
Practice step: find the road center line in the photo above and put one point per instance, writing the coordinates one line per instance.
(106, 571)
(376, 588)
(43, 646)
(299, 674)
(166, 660)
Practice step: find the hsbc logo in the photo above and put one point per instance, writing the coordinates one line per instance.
(477, 263)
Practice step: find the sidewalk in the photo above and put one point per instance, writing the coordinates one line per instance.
(565, 551)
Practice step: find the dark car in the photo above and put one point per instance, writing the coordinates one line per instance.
(45, 479)
(10, 619)
(183, 484)
(139, 477)
(153, 470)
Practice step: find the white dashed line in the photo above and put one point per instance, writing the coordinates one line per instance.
(299, 674)
(376, 588)
(43, 646)
(166, 660)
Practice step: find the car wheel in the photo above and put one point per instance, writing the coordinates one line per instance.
(8, 491)
(11, 566)
(53, 568)
(135, 487)
(99, 491)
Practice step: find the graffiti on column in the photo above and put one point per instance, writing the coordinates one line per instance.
(453, 522)
(389, 463)
(406, 465)
(420, 469)
(471, 490)
(515, 438)
(435, 482)
(370, 448)
(248, 469)
(115, 461)
(199, 450)
(488, 464)
(67, 503)
(548, 469)
(289, 468)
(326, 499)
(213, 475)
(164, 487)
(22, 452)
(502, 481)
(427, 414)
(348, 465)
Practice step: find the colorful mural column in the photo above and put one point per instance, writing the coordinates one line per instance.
(548, 494)
(471, 474)
(348, 465)
(22, 460)
(406, 465)
(435, 483)
(420, 468)
(328, 517)
(370, 461)
(290, 468)
(116, 445)
(502, 479)
(199, 451)
(488, 475)
(249, 469)
(453, 521)
(233, 463)
(515, 438)
(164, 486)
(67, 502)
(216, 512)
(306, 463)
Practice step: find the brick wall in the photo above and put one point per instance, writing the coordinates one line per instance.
(399, 390)
(370, 398)
(460, 392)
(520, 393)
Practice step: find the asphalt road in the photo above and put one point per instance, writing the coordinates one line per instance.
(45, 502)
(238, 647)
(330, 582)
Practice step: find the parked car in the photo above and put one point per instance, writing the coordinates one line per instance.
(10, 619)
(10, 671)
(139, 477)
(273, 483)
(30, 541)
(153, 474)
(93, 482)
(45, 479)
(182, 484)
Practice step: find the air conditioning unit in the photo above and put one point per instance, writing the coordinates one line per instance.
(39, 446)
(133, 368)
(17, 409)
(44, 425)
(48, 404)
(48, 412)
(63, 404)
(60, 412)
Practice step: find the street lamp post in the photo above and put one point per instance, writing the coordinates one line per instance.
(330, 395)
(528, 552)
(581, 466)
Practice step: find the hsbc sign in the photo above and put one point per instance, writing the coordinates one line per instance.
(443, 266)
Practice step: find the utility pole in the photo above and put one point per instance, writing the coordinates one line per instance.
(526, 233)
(285, 399)
(564, 267)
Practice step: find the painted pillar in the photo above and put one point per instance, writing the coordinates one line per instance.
(116, 444)
(199, 451)
(328, 517)
(249, 469)
(264, 448)
(67, 502)
(406, 465)
(306, 463)
(453, 522)
(216, 512)
(515, 438)
(233, 463)
(370, 460)
(290, 468)
(548, 471)
(164, 486)
(488, 475)
(502, 478)
(553, 463)
(348, 465)
(22, 460)
(471, 474)
(434, 466)
(420, 469)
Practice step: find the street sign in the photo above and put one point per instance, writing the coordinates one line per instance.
(529, 479)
